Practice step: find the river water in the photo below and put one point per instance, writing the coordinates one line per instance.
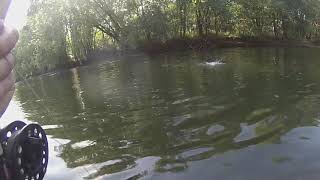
(229, 114)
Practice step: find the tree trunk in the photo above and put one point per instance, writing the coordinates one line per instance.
(275, 26)
(284, 27)
(184, 20)
(199, 18)
(199, 23)
(216, 28)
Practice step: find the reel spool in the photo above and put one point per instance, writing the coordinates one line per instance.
(25, 152)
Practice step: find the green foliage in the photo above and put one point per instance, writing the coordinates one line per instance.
(65, 32)
(42, 43)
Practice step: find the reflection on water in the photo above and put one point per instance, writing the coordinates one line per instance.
(171, 117)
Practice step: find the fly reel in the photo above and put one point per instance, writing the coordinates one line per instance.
(23, 152)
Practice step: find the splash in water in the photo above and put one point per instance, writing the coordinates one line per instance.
(213, 63)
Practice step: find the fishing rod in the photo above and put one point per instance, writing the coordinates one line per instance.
(24, 148)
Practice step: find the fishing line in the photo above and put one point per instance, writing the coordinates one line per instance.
(50, 116)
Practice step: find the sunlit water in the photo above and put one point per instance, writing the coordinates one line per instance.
(254, 114)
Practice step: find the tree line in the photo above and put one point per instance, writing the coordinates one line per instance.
(64, 32)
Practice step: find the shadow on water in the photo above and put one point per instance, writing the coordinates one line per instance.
(167, 116)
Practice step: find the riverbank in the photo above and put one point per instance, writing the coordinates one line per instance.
(200, 44)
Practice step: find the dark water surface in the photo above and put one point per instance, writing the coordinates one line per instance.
(254, 116)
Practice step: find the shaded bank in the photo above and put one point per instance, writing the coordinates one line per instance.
(199, 44)
(66, 32)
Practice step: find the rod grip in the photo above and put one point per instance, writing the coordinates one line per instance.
(4, 6)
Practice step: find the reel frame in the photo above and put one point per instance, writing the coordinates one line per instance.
(25, 152)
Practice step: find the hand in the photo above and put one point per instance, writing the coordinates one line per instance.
(8, 39)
